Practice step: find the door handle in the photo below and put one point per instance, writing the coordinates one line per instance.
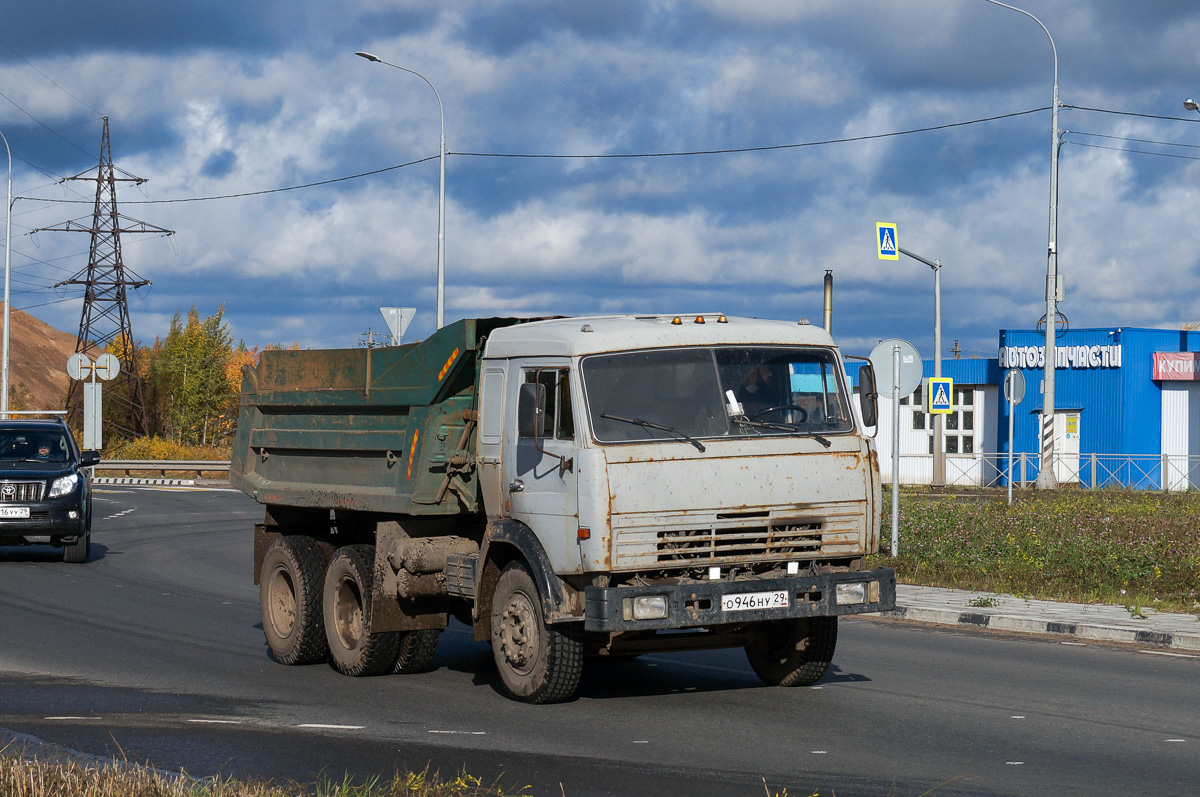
(517, 486)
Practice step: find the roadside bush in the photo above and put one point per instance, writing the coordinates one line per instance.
(160, 448)
(1089, 546)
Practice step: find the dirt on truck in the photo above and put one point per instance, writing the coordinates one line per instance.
(568, 488)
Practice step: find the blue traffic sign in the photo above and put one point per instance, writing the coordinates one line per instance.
(941, 395)
(885, 239)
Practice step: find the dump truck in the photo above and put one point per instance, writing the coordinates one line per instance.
(568, 488)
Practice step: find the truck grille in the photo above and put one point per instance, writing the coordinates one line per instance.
(689, 539)
(13, 492)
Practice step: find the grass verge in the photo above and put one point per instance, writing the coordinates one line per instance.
(1133, 548)
(22, 776)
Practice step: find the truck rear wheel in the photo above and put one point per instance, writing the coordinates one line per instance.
(793, 652)
(289, 596)
(353, 649)
(538, 662)
(416, 651)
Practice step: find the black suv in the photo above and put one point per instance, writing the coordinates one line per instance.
(45, 487)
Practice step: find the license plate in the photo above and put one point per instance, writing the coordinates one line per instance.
(14, 512)
(778, 599)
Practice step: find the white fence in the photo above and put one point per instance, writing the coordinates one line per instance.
(1174, 472)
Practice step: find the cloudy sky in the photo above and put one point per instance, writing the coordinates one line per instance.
(221, 98)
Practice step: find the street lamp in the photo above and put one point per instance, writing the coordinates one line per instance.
(1046, 477)
(7, 271)
(1191, 104)
(441, 266)
(939, 453)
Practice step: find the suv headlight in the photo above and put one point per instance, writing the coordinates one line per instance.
(64, 485)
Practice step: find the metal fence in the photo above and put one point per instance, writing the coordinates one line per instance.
(162, 466)
(1175, 472)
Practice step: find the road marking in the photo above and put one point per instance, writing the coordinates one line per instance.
(820, 752)
(1075, 644)
(1176, 740)
(216, 722)
(462, 733)
(1014, 763)
(70, 718)
(1017, 717)
(324, 727)
(1165, 653)
(641, 741)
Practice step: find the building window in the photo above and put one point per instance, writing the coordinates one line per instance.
(968, 444)
(968, 420)
(952, 421)
(952, 444)
(918, 419)
(966, 397)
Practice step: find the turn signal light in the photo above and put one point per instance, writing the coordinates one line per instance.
(699, 319)
(584, 534)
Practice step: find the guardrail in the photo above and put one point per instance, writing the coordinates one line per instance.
(163, 466)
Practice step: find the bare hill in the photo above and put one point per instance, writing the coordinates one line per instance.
(37, 359)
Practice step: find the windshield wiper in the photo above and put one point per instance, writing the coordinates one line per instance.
(651, 425)
(784, 427)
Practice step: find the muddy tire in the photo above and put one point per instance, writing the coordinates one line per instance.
(793, 652)
(538, 662)
(416, 651)
(289, 597)
(353, 649)
(76, 553)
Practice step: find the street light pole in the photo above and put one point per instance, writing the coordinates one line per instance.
(441, 265)
(939, 447)
(1046, 478)
(7, 273)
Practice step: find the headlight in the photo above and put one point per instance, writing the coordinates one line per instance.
(646, 607)
(64, 485)
(851, 592)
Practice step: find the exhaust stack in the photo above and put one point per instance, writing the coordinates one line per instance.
(828, 318)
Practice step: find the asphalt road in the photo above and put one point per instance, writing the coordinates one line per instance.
(153, 651)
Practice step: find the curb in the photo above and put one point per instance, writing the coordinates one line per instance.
(144, 482)
(1008, 622)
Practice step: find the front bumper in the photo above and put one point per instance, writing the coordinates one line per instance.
(49, 521)
(698, 605)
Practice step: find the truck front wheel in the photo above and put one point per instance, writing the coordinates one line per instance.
(289, 596)
(353, 649)
(538, 662)
(793, 652)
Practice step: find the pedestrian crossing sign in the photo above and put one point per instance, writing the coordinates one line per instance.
(941, 395)
(885, 237)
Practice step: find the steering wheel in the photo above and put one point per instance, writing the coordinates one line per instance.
(803, 412)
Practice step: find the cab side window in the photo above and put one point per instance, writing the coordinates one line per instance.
(560, 422)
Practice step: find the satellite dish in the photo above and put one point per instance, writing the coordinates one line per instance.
(77, 364)
(107, 367)
(911, 368)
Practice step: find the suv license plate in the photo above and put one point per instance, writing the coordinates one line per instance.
(14, 512)
(778, 599)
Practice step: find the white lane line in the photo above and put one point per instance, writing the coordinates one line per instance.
(217, 722)
(1014, 763)
(325, 727)
(1176, 740)
(463, 733)
(1075, 644)
(1166, 653)
(71, 718)
(820, 752)
(1017, 717)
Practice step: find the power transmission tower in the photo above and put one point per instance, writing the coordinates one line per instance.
(105, 318)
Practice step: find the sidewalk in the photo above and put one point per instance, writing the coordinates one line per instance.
(1074, 620)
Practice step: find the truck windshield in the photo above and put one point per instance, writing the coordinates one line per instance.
(677, 394)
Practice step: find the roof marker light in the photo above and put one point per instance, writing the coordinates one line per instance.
(722, 319)
(676, 321)
(699, 319)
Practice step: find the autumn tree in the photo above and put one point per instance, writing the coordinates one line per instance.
(192, 397)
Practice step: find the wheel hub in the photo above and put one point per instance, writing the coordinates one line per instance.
(281, 599)
(518, 633)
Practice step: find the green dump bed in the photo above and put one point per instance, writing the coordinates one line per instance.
(379, 430)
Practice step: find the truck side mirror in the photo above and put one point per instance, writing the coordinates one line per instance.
(868, 395)
(531, 410)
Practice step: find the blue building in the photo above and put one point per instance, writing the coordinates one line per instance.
(1127, 412)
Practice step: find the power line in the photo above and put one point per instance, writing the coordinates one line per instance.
(1135, 140)
(1137, 151)
(1131, 113)
(757, 149)
(247, 193)
(50, 80)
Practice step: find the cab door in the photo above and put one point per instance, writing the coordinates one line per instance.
(540, 472)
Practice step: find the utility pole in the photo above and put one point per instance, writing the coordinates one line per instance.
(105, 317)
